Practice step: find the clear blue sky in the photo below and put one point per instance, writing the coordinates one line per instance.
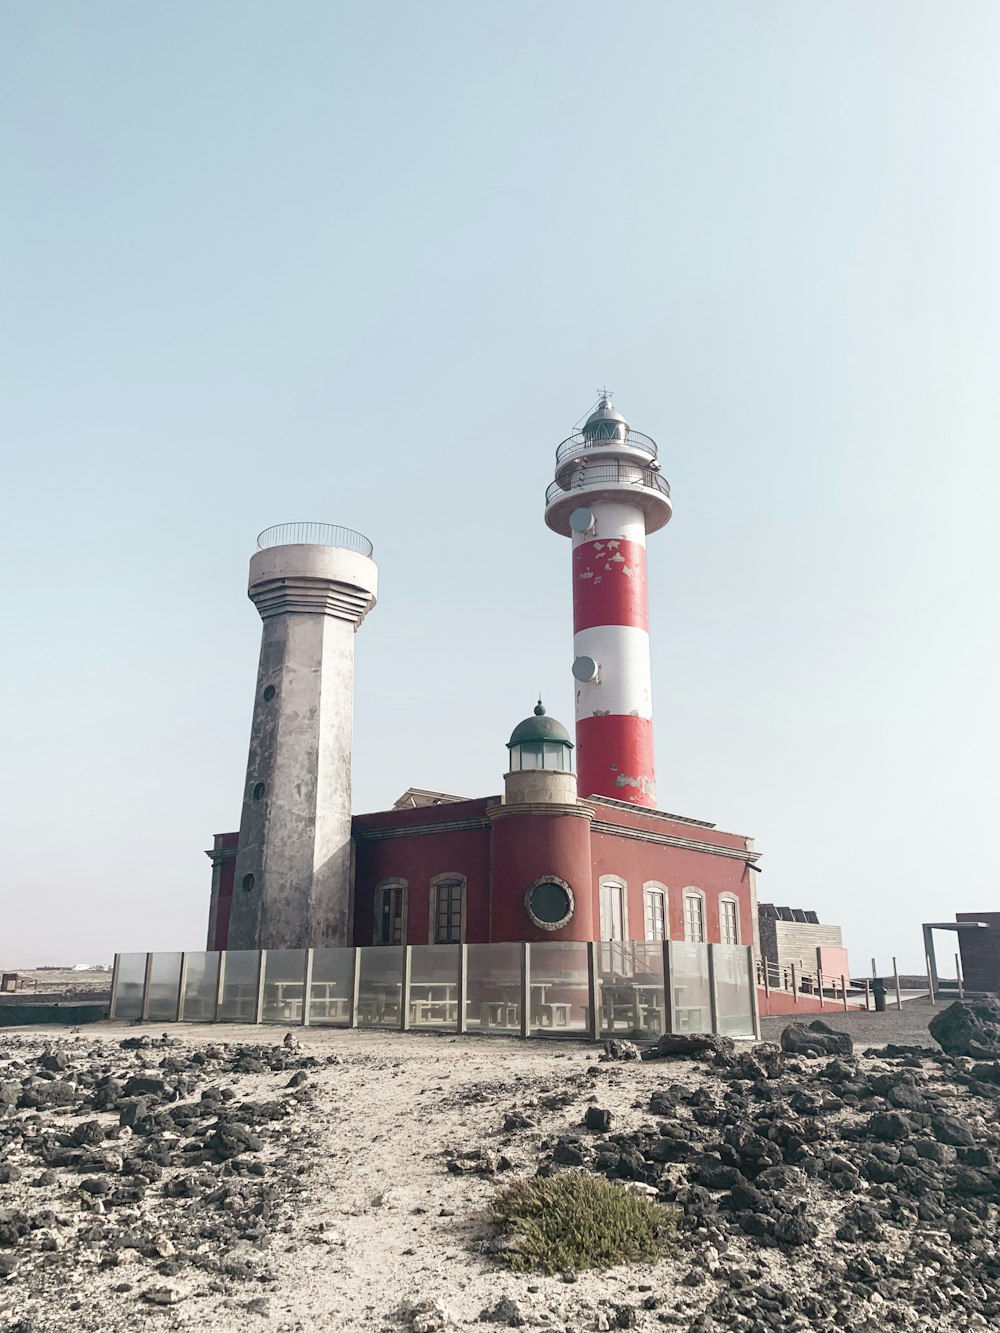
(368, 262)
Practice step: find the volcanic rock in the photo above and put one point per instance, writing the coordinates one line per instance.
(816, 1039)
(969, 1027)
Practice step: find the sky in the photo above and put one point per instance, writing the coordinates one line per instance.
(368, 263)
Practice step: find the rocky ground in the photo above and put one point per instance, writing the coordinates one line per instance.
(221, 1179)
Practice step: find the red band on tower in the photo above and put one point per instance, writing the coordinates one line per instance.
(614, 757)
(609, 585)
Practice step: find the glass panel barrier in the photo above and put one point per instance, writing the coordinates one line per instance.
(131, 975)
(560, 996)
(434, 986)
(732, 985)
(381, 986)
(164, 982)
(689, 981)
(284, 985)
(330, 997)
(493, 999)
(630, 981)
(239, 986)
(199, 990)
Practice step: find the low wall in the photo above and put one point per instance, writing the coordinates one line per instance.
(68, 1013)
(783, 1002)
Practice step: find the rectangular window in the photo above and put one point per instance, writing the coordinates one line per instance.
(694, 918)
(448, 913)
(389, 921)
(730, 921)
(655, 915)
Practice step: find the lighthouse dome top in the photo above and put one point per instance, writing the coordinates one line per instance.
(605, 423)
(539, 727)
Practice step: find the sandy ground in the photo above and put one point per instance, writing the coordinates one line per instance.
(380, 1221)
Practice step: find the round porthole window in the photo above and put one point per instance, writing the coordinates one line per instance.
(549, 902)
(248, 883)
(268, 693)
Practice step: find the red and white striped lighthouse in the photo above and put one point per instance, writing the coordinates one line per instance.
(607, 495)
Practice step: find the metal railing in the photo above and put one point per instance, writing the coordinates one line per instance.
(827, 989)
(580, 443)
(608, 474)
(314, 534)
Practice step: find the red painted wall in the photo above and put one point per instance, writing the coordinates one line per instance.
(418, 858)
(677, 869)
(503, 856)
(528, 846)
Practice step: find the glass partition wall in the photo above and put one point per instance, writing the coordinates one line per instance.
(628, 988)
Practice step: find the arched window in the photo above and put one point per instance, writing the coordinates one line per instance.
(447, 908)
(614, 908)
(655, 900)
(389, 912)
(729, 919)
(694, 916)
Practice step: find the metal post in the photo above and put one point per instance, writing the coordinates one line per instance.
(220, 986)
(669, 1019)
(754, 997)
(144, 1011)
(961, 979)
(895, 976)
(874, 969)
(767, 978)
(795, 986)
(525, 988)
(182, 981)
(819, 983)
(463, 987)
(713, 989)
(930, 977)
(868, 993)
(307, 985)
(843, 987)
(258, 1011)
(404, 990)
(593, 992)
(115, 974)
(352, 1017)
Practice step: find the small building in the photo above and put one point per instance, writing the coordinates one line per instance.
(980, 951)
(537, 863)
(794, 936)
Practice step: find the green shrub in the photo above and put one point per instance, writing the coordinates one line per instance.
(574, 1221)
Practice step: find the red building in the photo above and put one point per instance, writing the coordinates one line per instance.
(536, 864)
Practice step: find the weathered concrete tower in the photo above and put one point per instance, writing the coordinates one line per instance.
(607, 495)
(313, 584)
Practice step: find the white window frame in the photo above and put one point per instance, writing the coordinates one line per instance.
(449, 877)
(723, 899)
(613, 882)
(651, 887)
(613, 953)
(691, 891)
(378, 904)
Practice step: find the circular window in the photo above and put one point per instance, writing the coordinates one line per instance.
(268, 693)
(258, 791)
(549, 902)
(248, 883)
